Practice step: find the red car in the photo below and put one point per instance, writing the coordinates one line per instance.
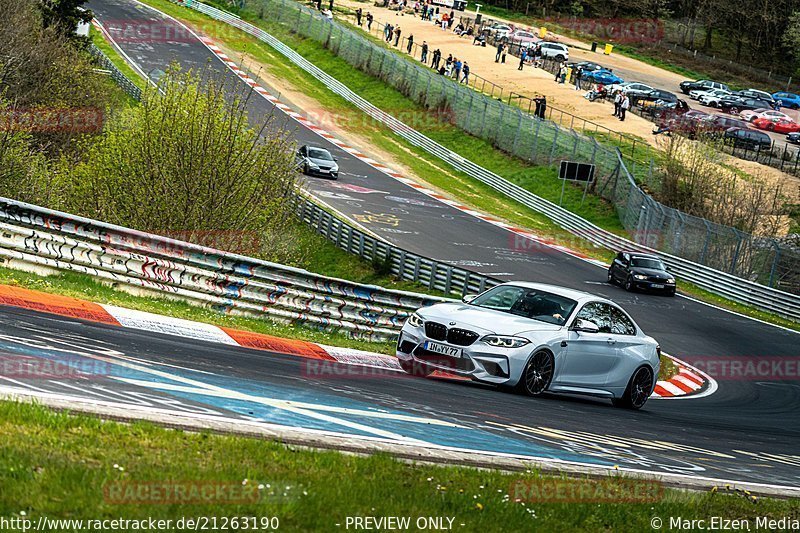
(777, 125)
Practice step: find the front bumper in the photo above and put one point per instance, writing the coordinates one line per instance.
(647, 285)
(479, 361)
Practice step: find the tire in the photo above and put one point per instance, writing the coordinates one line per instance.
(610, 277)
(734, 110)
(671, 293)
(638, 390)
(538, 374)
(414, 368)
(629, 284)
(560, 58)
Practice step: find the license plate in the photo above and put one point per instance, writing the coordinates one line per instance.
(657, 286)
(443, 349)
(324, 170)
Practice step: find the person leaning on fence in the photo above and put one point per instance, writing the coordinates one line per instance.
(541, 106)
(437, 56)
(465, 71)
(410, 45)
(387, 32)
(397, 33)
(424, 57)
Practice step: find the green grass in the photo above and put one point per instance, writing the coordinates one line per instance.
(113, 55)
(57, 465)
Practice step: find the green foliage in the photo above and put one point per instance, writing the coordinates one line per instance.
(64, 16)
(187, 160)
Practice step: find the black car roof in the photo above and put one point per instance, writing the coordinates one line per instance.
(642, 255)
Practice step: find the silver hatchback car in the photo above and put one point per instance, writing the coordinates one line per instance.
(535, 338)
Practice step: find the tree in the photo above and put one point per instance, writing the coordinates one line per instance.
(187, 161)
(64, 16)
(791, 37)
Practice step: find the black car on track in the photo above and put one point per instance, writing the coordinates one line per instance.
(635, 270)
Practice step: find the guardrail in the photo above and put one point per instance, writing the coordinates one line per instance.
(32, 236)
(116, 74)
(715, 281)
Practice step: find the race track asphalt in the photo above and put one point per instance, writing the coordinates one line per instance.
(745, 414)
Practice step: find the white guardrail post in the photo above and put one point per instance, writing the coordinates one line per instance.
(715, 281)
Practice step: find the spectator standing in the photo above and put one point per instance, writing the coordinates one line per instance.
(522, 57)
(458, 66)
(410, 45)
(330, 5)
(359, 12)
(577, 73)
(465, 70)
(437, 57)
(424, 57)
(369, 21)
(500, 48)
(444, 21)
(617, 102)
(451, 19)
(563, 73)
(624, 105)
(397, 33)
(387, 32)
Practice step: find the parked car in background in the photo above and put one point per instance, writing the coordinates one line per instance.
(755, 93)
(776, 124)
(586, 66)
(793, 138)
(498, 31)
(763, 112)
(606, 77)
(736, 106)
(707, 85)
(720, 123)
(523, 37)
(711, 98)
(636, 270)
(790, 100)
(556, 51)
(689, 123)
(748, 139)
(657, 95)
(634, 89)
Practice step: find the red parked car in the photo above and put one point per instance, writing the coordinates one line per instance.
(778, 125)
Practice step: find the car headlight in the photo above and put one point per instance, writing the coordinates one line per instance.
(671, 280)
(640, 276)
(311, 164)
(502, 341)
(415, 320)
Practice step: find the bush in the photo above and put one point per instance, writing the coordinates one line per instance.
(186, 160)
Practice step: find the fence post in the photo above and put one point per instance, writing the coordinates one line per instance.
(705, 244)
(535, 141)
(553, 147)
(516, 133)
(774, 263)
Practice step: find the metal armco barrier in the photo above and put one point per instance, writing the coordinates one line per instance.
(230, 283)
(715, 281)
(435, 275)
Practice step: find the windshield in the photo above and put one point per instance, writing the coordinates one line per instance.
(640, 262)
(318, 153)
(529, 303)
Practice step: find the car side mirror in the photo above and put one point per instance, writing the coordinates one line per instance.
(335, 158)
(585, 326)
(468, 298)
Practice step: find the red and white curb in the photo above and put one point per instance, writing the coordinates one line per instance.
(689, 382)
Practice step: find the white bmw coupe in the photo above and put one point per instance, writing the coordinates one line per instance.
(535, 338)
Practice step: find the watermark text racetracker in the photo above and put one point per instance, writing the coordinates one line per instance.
(719, 523)
(738, 368)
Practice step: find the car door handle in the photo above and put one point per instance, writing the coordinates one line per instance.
(611, 341)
